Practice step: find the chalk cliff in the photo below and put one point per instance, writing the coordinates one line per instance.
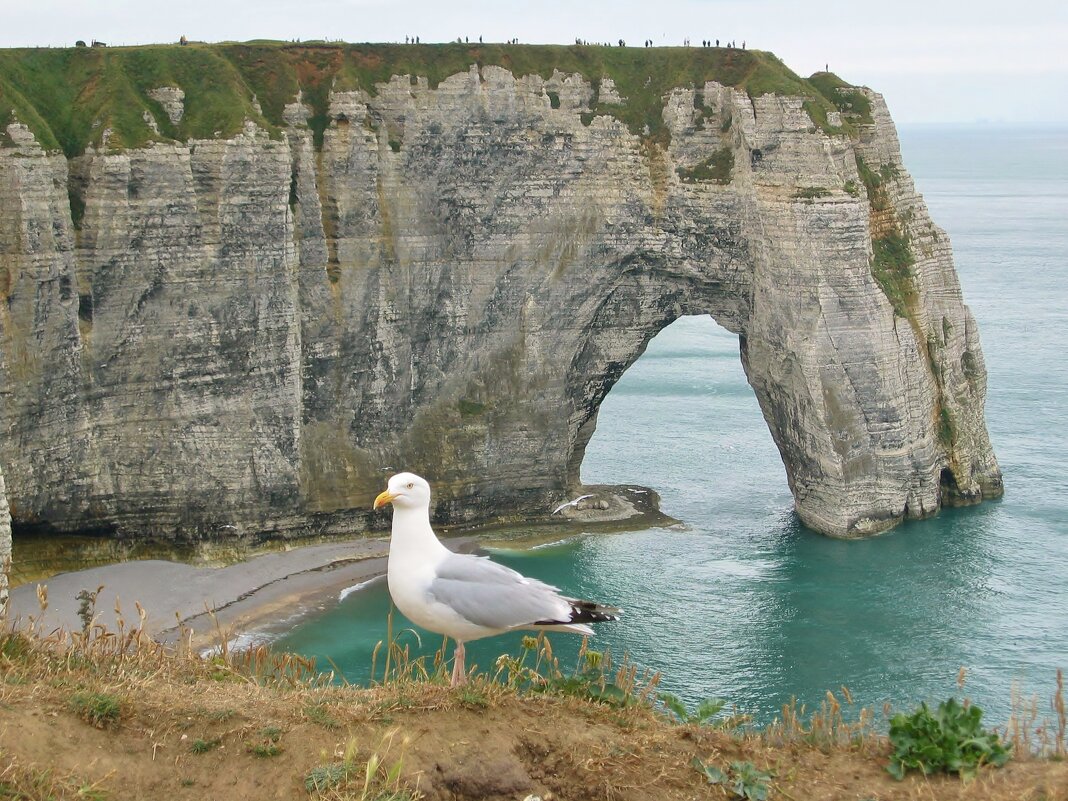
(240, 317)
(5, 549)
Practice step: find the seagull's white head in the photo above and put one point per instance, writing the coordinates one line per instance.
(405, 491)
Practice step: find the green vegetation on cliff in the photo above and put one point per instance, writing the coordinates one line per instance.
(70, 97)
(892, 268)
(892, 257)
(845, 97)
(716, 168)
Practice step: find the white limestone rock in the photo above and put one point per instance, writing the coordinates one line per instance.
(296, 114)
(173, 101)
(5, 550)
(608, 94)
(249, 332)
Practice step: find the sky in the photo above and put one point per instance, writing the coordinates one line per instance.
(935, 61)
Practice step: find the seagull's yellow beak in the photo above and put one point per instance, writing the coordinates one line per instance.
(384, 498)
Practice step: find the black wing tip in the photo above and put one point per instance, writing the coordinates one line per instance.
(585, 612)
(591, 612)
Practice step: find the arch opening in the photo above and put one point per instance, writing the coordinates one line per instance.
(683, 420)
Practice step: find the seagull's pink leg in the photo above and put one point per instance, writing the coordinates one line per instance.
(459, 675)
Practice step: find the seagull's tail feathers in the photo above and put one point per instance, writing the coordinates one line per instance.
(582, 612)
(574, 628)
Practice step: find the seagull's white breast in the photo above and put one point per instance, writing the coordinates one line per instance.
(409, 582)
(414, 556)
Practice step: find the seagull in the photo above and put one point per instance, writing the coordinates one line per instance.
(566, 504)
(462, 596)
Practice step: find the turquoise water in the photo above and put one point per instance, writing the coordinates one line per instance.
(743, 602)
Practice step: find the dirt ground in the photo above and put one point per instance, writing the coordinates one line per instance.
(186, 728)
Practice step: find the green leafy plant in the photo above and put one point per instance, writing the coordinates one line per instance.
(705, 711)
(950, 739)
(743, 779)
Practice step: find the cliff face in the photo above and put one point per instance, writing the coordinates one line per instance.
(250, 331)
(5, 549)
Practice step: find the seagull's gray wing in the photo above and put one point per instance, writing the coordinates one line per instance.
(494, 596)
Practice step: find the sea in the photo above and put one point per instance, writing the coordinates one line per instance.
(740, 601)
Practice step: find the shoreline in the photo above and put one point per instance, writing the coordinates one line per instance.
(265, 613)
(266, 594)
(180, 600)
(246, 603)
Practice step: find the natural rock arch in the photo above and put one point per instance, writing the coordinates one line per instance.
(844, 463)
(252, 332)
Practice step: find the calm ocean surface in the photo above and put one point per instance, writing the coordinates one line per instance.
(743, 602)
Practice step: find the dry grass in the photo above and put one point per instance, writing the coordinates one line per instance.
(826, 728)
(254, 723)
(1035, 737)
(376, 778)
(29, 781)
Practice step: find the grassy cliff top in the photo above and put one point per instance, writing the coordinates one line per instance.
(69, 96)
(111, 715)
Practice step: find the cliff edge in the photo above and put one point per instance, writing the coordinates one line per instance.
(243, 283)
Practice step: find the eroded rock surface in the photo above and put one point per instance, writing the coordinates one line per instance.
(247, 335)
(5, 549)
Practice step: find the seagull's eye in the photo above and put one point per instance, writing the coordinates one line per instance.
(411, 485)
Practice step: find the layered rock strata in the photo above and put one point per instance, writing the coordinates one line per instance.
(5, 549)
(245, 335)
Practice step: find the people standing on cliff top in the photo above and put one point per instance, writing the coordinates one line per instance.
(717, 42)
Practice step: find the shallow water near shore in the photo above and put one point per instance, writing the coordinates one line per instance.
(746, 604)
